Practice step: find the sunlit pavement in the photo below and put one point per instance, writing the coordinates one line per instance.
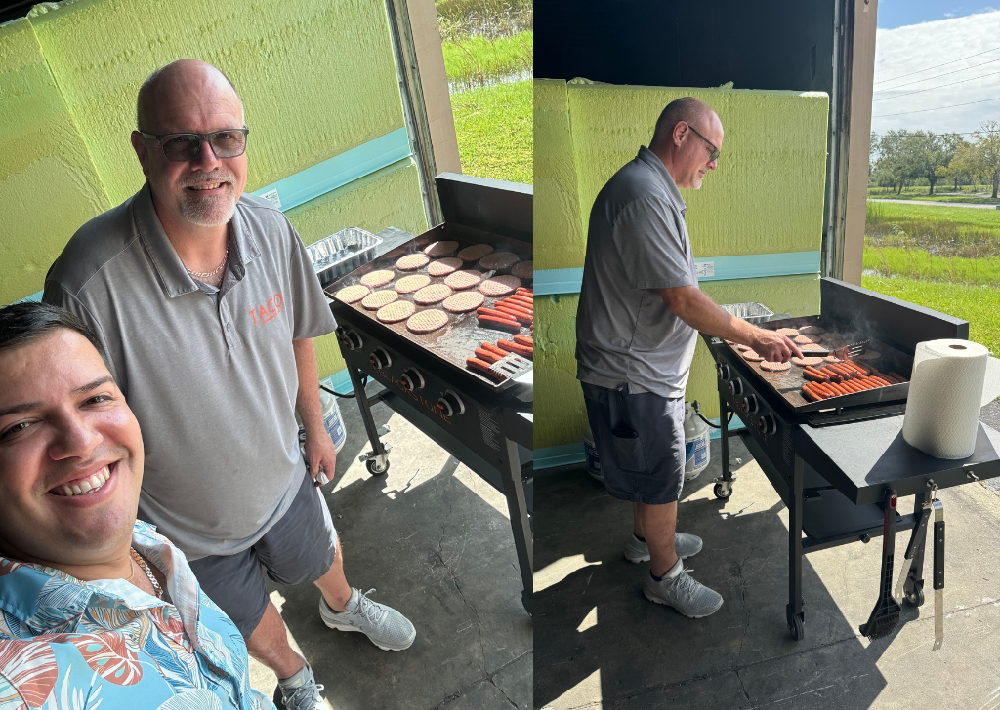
(436, 543)
(600, 644)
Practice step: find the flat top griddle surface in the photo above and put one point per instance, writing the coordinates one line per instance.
(873, 455)
(457, 340)
(788, 384)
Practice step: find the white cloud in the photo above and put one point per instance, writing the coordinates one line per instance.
(910, 48)
(949, 14)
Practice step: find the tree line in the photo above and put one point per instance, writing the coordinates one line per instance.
(899, 156)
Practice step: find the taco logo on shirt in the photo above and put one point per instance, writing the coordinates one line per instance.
(267, 311)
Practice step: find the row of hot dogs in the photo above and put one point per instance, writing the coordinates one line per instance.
(847, 377)
(509, 314)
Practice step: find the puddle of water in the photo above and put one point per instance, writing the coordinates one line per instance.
(456, 87)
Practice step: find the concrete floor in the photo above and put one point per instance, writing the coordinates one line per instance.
(602, 645)
(436, 543)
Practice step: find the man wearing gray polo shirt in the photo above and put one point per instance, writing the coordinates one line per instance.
(639, 314)
(207, 305)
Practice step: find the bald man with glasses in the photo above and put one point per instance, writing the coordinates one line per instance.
(207, 304)
(639, 314)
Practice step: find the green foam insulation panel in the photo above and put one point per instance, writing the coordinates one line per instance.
(557, 218)
(48, 184)
(559, 410)
(766, 196)
(316, 78)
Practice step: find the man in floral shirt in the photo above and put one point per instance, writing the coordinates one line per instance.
(96, 609)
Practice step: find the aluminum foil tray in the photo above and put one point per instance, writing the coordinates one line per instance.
(341, 253)
(752, 313)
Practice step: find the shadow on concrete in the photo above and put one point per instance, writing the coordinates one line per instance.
(429, 538)
(600, 643)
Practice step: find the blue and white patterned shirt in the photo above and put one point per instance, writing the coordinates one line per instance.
(75, 645)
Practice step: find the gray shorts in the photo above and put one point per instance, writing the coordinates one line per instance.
(298, 549)
(640, 438)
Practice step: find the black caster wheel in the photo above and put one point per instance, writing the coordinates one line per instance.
(723, 490)
(526, 602)
(797, 629)
(376, 470)
(915, 599)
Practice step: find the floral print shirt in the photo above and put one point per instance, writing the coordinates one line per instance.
(75, 645)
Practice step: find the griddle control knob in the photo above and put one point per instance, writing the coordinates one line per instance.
(450, 404)
(723, 371)
(767, 424)
(750, 403)
(349, 339)
(736, 387)
(380, 359)
(412, 380)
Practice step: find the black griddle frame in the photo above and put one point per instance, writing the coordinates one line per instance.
(828, 503)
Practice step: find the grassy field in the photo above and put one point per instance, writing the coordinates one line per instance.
(476, 60)
(977, 304)
(941, 231)
(493, 124)
(919, 264)
(918, 193)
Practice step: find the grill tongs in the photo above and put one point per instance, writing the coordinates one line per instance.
(885, 615)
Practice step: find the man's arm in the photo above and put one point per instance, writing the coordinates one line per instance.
(319, 447)
(701, 313)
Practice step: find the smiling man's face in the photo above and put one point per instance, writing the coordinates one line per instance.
(71, 454)
(192, 98)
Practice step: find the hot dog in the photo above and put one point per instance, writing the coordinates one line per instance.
(515, 348)
(477, 364)
(487, 356)
(495, 314)
(524, 340)
(490, 347)
(499, 324)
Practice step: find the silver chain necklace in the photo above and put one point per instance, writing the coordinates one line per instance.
(209, 274)
(149, 575)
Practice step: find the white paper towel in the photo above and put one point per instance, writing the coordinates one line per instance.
(951, 381)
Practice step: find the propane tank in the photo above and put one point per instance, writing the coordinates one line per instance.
(331, 418)
(696, 440)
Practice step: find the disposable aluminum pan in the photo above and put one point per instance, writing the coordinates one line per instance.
(341, 253)
(752, 313)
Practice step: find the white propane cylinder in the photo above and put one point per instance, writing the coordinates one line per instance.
(696, 439)
(331, 418)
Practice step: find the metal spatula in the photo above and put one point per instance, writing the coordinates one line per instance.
(885, 615)
(849, 352)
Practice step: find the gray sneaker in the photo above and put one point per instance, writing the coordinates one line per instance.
(300, 692)
(685, 545)
(384, 626)
(683, 593)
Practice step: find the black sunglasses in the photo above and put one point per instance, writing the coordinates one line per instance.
(185, 147)
(715, 151)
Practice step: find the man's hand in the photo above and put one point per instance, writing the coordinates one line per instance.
(774, 347)
(322, 456)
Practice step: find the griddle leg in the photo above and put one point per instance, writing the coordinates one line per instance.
(795, 617)
(913, 587)
(377, 461)
(724, 484)
(513, 489)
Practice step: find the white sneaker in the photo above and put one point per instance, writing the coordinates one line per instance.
(685, 545)
(688, 596)
(384, 626)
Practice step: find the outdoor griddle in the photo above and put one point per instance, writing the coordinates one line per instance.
(832, 465)
(485, 424)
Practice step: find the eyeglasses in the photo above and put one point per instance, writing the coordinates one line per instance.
(184, 147)
(715, 151)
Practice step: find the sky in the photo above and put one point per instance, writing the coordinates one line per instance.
(933, 43)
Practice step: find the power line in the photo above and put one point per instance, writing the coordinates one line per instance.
(936, 76)
(903, 113)
(920, 91)
(935, 66)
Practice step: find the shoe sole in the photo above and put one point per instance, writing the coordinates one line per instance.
(657, 600)
(637, 560)
(344, 627)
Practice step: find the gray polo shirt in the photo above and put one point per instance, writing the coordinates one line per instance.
(637, 243)
(210, 374)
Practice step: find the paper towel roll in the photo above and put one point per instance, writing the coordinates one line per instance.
(951, 380)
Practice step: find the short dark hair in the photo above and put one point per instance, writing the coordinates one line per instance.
(23, 322)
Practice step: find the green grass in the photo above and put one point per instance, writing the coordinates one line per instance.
(458, 19)
(919, 193)
(918, 264)
(476, 60)
(977, 304)
(493, 124)
(941, 231)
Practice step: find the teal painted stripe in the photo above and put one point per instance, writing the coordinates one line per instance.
(571, 454)
(337, 171)
(36, 297)
(550, 282)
